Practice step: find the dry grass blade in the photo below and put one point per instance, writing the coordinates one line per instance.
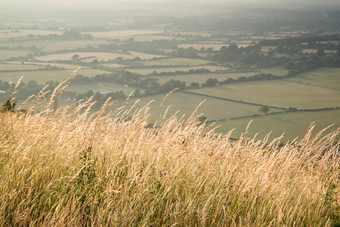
(71, 168)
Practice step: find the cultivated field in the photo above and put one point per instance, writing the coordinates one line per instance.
(113, 65)
(277, 71)
(18, 67)
(43, 76)
(119, 34)
(328, 77)
(8, 54)
(59, 65)
(292, 125)
(100, 56)
(277, 93)
(52, 46)
(213, 109)
(100, 87)
(6, 34)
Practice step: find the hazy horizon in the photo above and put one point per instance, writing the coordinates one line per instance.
(111, 5)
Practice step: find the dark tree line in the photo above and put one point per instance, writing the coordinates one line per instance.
(25, 90)
(251, 55)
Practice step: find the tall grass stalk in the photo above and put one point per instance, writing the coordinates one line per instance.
(76, 169)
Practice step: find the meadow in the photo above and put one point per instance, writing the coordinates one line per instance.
(43, 76)
(8, 54)
(18, 67)
(121, 34)
(65, 168)
(100, 87)
(183, 103)
(113, 65)
(291, 125)
(96, 55)
(6, 34)
(53, 64)
(278, 93)
(328, 77)
(309, 90)
(277, 71)
(51, 46)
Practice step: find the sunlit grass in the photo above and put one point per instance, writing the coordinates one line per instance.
(72, 168)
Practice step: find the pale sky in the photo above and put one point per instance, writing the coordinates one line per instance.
(107, 4)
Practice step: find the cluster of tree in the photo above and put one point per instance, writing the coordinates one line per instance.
(191, 71)
(185, 53)
(171, 85)
(251, 55)
(306, 63)
(69, 35)
(100, 98)
(312, 41)
(269, 20)
(258, 77)
(25, 90)
(210, 82)
(152, 47)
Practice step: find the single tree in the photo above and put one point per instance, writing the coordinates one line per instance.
(75, 57)
(264, 109)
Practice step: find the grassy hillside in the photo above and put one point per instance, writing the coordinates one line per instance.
(68, 168)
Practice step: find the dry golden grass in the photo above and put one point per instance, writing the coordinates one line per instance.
(70, 168)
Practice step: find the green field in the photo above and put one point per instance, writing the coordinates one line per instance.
(113, 65)
(100, 87)
(277, 93)
(7, 54)
(201, 78)
(105, 56)
(43, 76)
(277, 71)
(18, 67)
(121, 34)
(59, 65)
(175, 62)
(5, 34)
(292, 124)
(52, 46)
(145, 71)
(213, 109)
(329, 77)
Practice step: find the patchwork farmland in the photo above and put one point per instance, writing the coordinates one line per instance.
(143, 62)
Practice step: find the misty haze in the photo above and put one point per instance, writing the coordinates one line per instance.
(164, 113)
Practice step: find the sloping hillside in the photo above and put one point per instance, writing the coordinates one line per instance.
(69, 168)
